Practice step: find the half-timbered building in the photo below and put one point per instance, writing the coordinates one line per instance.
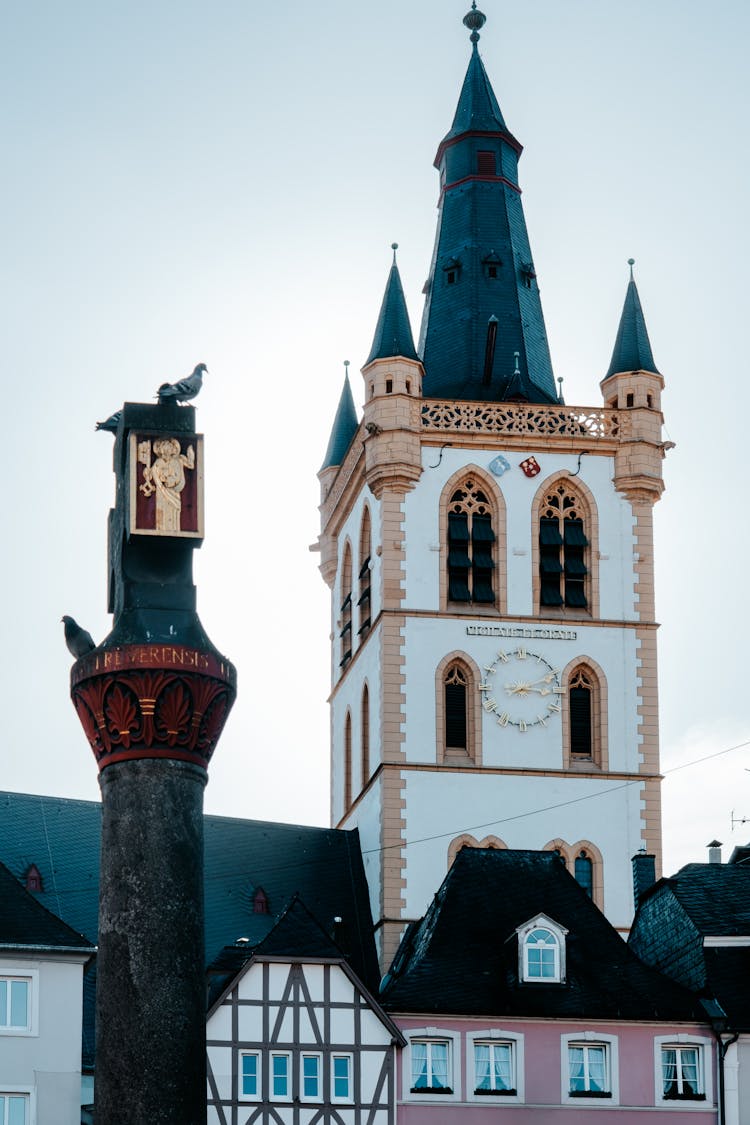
(294, 1037)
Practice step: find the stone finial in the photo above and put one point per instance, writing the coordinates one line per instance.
(474, 20)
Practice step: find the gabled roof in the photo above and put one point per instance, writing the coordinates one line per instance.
(25, 922)
(343, 430)
(632, 351)
(393, 335)
(462, 958)
(324, 865)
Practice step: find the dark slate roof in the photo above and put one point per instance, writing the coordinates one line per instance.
(728, 981)
(343, 430)
(632, 350)
(482, 270)
(393, 334)
(462, 958)
(296, 935)
(24, 921)
(323, 865)
(715, 896)
(477, 108)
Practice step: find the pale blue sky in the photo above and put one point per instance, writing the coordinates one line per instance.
(186, 182)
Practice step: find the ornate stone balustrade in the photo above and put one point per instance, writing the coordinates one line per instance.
(520, 419)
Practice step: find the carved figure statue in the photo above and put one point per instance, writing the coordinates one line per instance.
(165, 477)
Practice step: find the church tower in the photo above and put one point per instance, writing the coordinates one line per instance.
(490, 556)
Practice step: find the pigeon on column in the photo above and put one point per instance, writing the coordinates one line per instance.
(185, 389)
(78, 640)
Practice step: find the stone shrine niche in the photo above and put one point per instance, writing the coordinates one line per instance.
(165, 475)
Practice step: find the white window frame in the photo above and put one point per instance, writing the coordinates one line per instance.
(492, 1036)
(319, 1060)
(257, 1096)
(23, 1091)
(349, 1098)
(704, 1047)
(11, 971)
(541, 922)
(272, 1095)
(434, 1035)
(612, 1060)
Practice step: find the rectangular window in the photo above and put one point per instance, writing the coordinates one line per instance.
(681, 1072)
(15, 1008)
(588, 1066)
(250, 1075)
(14, 1109)
(430, 1066)
(341, 1078)
(311, 1077)
(494, 1068)
(280, 1076)
(486, 163)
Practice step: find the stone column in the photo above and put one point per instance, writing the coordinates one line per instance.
(152, 699)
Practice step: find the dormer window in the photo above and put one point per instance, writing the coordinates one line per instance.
(33, 878)
(541, 952)
(491, 266)
(528, 274)
(452, 270)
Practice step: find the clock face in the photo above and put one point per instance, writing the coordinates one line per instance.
(522, 689)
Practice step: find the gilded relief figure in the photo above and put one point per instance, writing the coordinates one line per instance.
(165, 477)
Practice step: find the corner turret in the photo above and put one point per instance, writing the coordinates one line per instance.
(393, 390)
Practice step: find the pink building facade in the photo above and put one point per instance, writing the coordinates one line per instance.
(542, 1071)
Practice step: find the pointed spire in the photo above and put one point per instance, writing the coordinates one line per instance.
(393, 332)
(632, 347)
(477, 108)
(344, 426)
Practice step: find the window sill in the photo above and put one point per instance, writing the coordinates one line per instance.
(589, 1093)
(431, 1090)
(683, 1097)
(496, 1093)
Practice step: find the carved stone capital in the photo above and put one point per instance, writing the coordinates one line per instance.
(153, 701)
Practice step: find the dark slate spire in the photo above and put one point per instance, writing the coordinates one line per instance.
(393, 332)
(344, 426)
(632, 346)
(482, 301)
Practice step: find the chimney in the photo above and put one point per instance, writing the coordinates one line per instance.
(644, 874)
(714, 851)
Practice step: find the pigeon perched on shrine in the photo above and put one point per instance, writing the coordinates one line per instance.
(185, 389)
(79, 642)
(110, 425)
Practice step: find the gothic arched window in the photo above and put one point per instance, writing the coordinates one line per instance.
(458, 711)
(365, 728)
(363, 599)
(347, 762)
(470, 545)
(563, 549)
(584, 872)
(456, 718)
(581, 707)
(345, 620)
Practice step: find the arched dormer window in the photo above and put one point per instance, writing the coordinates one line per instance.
(365, 729)
(345, 620)
(363, 598)
(541, 951)
(347, 762)
(458, 710)
(563, 549)
(471, 540)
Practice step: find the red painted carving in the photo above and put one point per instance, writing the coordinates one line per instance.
(131, 708)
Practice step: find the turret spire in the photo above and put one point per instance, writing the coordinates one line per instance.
(344, 425)
(393, 335)
(482, 301)
(632, 351)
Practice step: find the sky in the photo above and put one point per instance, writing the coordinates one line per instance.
(185, 182)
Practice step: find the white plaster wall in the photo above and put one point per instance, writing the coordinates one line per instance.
(421, 506)
(367, 817)
(524, 812)
(48, 1062)
(366, 668)
(428, 640)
